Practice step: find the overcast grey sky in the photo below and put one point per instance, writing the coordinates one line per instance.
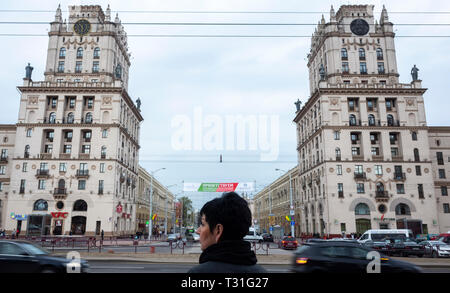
(253, 77)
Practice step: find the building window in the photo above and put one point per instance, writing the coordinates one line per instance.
(420, 191)
(375, 151)
(337, 135)
(360, 187)
(390, 104)
(29, 132)
(96, 53)
(22, 186)
(104, 133)
(70, 118)
(414, 135)
(356, 151)
(61, 66)
(379, 54)
(339, 169)
(440, 158)
(67, 149)
(2, 170)
(41, 185)
(81, 184)
(340, 190)
(40, 205)
(446, 207)
(102, 167)
(78, 67)
(362, 209)
(400, 188)
(103, 152)
(418, 171)
(378, 170)
(88, 118)
(52, 118)
(62, 167)
(95, 67)
(25, 167)
(345, 68)
(416, 155)
(380, 68)
(402, 209)
(362, 54)
(394, 152)
(100, 186)
(390, 120)
(72, 103)
(371, 120)
(338, 154)
(86, 149)
(441, 173)
(62, 52)
(352, 120)
(80, 52)
(363, 67)
(344, 55)
(444, 191)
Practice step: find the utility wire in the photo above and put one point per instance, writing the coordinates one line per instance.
(225, 36)
(217, 12)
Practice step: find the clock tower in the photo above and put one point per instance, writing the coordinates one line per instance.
(88, 48)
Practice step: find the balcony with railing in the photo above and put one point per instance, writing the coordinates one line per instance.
(60, 193)
(360, 176)
(82, 174)
(381, 196)
(42, 173)
(399, 176)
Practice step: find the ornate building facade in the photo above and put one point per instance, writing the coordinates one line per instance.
(74, 166)
(364, 159)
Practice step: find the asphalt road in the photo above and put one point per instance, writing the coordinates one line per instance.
(133, 267)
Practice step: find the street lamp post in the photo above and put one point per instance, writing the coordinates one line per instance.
(292, 211)
(150, 222)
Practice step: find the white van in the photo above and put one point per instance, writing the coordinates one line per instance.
(377, 235)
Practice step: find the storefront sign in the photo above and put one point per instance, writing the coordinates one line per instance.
(18, 217)
(384, 219)
(119, 209)
(59, 215)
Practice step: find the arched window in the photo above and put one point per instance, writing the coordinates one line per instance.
(52, 118)
(416, 155)
(80, 206)
(362, 54)
(80, 52)
(344, 54)
(371, 120)
(96, 53)
(70, 118)
(352, 119)
(380, 187)
(40, 205)
(62, 52)
(380, 54)
(390, 120)
(402, 209)
(362, 209)
(88, 117)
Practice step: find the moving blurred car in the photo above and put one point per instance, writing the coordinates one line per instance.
(343, 256)
(194, 237)
(18, 256)
(404, 247)
(288, 242)
(380, 246)
(267, 237)
(436, 248)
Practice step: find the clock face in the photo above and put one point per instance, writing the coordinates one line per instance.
(359, 27)
(82, 27)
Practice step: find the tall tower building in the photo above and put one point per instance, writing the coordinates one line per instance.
(363, 148)
(75, 160)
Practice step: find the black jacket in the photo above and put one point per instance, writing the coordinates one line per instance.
(228, 257)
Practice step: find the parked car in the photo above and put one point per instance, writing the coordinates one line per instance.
(404, 247)
(380, 246)
(444, 237)
(18, 256)
(173, 237)
(288, 242)
(377, 235)
(253, 238)
(343, 256)
(436, 248)
(194, 237)
(267, 237)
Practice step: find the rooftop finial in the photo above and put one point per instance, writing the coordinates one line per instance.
(58, 15)
(108, 14)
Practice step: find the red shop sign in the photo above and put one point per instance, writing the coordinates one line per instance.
(59, 215)
(119, 208)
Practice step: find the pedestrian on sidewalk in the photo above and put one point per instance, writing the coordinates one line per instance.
(103, 235)
(224, 223)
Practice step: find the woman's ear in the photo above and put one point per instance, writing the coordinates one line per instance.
(218, 232)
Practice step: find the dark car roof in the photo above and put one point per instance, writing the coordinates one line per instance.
(335, 243)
